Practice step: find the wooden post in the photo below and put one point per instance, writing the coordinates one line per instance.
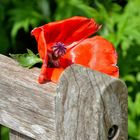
(84, 105)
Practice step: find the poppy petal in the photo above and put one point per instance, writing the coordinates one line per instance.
(43, 78)
(42, 46)
(54, 74)
(96, 53)
(69, 30)
(36, 33)
(49, 74)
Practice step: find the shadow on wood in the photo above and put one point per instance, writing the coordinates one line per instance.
(84, 105)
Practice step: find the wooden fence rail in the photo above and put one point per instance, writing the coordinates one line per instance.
(84, 105)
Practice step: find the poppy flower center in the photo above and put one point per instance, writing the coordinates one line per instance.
(58, 50)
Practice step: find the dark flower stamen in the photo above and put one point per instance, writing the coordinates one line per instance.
(59, 49)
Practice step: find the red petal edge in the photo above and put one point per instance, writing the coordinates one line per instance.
(67, 31)
(96, 53)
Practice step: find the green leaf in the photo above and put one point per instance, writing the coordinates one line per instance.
(27, 60)
(89, 11)
(74, 7)
(22, 18)
(130, 104)
(18, 25)
(115, 7)
(131, 110)
(130, 78)
(44, 6)
(137, 103)
(138, 76)
(132, 128)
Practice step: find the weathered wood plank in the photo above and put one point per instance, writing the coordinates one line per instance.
(17, 136)
(85, 105)
(90, 106)
(26, 106)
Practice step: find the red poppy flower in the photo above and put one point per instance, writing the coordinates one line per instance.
(66, 42)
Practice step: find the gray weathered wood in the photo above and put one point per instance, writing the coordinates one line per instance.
(89, 104)
(18, 136)
(26, 106)
(84, 105)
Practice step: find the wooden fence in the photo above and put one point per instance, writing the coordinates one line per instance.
(84, 105)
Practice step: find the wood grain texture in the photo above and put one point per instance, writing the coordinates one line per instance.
(18, 136)
(26, 106)
(84, 105)
(89, 104)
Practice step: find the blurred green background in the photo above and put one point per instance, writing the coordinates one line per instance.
(121, 25)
